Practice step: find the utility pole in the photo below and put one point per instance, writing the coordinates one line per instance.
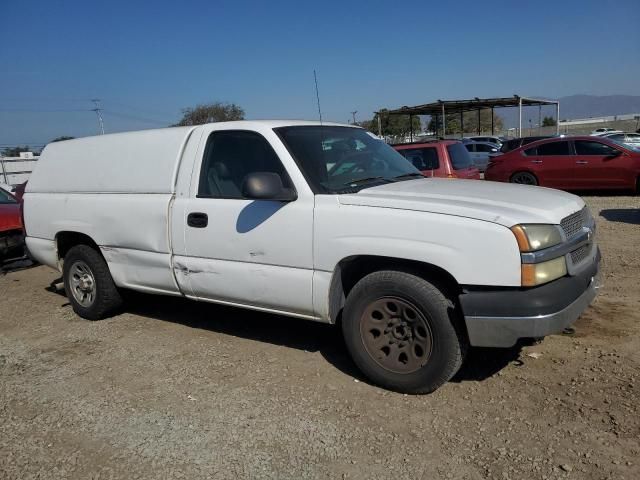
(539, 118)
(353, 114)
(98, 110)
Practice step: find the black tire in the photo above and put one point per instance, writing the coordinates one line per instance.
(438, 315)
(524, 178)
(106, 298)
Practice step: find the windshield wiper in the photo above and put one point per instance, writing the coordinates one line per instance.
(359, 181)
(407, 176)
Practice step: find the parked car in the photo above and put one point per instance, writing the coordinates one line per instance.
(572, 163)
(262, 215)
(443, 158)
(484, 139)
(630, 139)
(11, 231)
(514, 143)
(604, 131)
(481, 153)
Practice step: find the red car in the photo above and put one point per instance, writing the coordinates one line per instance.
(569, 163)
(11, 231)
(444, 158)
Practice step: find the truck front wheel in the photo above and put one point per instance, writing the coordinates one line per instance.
(400, 331)
(88, 283)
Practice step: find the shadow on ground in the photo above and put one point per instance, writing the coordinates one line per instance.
(16, 265)
(284, 331)
(622, 215)
(482, 363)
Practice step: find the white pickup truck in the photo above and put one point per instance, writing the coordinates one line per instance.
(318, 221)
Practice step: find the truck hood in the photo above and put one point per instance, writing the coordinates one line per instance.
(502, 203)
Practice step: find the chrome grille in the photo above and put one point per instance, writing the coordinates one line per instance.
(572, 224)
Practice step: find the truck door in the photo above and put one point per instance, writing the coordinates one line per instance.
(256, 253)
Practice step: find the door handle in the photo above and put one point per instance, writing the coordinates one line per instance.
(536, 161)
(197, 220)
(581, 162)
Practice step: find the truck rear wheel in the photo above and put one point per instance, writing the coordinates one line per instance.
(400, 331)
(88, 283)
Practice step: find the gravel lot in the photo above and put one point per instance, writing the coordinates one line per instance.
(175, 389)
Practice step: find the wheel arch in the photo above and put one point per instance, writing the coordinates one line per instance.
(67, 239)
(352, 269)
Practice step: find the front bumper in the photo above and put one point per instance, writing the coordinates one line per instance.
(499, 317)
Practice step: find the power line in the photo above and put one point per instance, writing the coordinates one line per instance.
(135, 117)
(138, 109)
(33, 110)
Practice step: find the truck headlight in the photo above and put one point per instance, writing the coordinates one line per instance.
(534, 237)
(534, 274)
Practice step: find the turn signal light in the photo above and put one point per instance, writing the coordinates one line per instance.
(521, 238)
(534, 274)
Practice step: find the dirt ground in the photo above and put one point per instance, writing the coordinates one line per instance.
(175, 389)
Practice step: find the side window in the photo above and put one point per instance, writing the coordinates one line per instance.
(531, 152)
(229, 156)
(431, 160)
(483, 148)
(422, 158)
(585, 147)
(554, 148)
(470, 147)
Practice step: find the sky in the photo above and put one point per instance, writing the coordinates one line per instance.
(146, 61)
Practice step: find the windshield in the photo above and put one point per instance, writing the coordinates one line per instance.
(344, 159)
(459, 155)
(6, 197)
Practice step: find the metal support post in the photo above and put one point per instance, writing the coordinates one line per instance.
(492, 125)
(519, 117)
(4, 172)
(411, 127)
(444, 123)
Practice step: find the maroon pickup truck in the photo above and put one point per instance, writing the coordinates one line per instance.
(443, 158)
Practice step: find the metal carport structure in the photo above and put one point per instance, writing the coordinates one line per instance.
(442, 108)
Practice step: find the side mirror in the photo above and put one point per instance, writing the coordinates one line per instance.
(267, 186)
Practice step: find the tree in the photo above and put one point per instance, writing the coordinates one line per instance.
(549, 122)
(210, 112)
(61, 139)
(15, 151)
(393, 125)
(470, 120)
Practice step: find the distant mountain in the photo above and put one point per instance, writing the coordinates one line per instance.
(583, 106)
(576, 106)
